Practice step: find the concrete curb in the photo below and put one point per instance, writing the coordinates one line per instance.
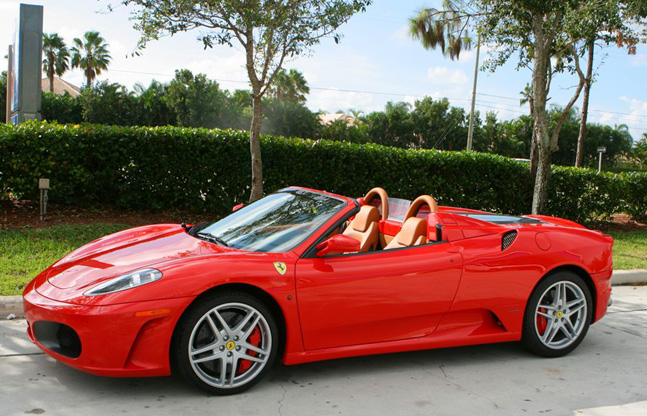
(13, 304)
(628, 277)
(9, 305)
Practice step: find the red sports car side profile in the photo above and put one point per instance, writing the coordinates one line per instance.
(305, 275)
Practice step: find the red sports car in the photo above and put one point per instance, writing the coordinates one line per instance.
(306, 275)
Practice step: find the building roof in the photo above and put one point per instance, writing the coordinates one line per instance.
(326, 119)
(60, 87)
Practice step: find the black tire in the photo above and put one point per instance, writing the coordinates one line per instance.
(563, 320)
(195, 331)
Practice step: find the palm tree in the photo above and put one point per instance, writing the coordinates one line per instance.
(91, 55)
(290, 86)
(57, 57)
(446, 28)
(526, 97)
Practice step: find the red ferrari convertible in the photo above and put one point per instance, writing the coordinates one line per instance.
(306, 275)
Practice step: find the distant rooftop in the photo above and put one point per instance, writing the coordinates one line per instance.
(326, 119)
(60, 87)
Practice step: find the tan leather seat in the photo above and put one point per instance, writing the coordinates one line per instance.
(413, 233)
(365, 228)
(414, 229)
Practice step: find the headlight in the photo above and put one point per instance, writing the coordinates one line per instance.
(128, 281)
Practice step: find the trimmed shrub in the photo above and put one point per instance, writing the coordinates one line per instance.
(160, 168)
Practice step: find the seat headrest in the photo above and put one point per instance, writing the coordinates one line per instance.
(366, 216)
(412, 229)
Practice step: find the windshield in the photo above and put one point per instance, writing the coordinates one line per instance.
(276, 223)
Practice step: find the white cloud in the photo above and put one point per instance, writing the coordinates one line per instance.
(634, 115)
(637, 117)
(445, 75)
(331, 100)
(401, 35)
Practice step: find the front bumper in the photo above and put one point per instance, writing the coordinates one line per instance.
(124, 340)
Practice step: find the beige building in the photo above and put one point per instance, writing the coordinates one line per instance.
(326, 119)
(60, 87)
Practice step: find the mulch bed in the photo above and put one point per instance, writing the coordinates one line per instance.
(19, 214)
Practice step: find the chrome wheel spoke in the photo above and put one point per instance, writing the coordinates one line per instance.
(576, 309)
(232, 374)
(212, 325)
(248, 357)
(544, 314)
(245, 321)
(551, 330)
(211, 357)
(204, 349)
(568, 329)
(253, 348)
(223, 370)
(222, 322)
(249, 330)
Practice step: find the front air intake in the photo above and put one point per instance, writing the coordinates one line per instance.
(508, 239)
(58, 337)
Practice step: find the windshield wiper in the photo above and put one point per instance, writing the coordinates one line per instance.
(212, 238)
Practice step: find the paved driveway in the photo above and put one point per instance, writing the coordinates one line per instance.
(606, 375)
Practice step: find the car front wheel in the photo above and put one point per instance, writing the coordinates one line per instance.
(227, 343)
(557, 315)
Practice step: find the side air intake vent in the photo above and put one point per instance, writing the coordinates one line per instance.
(508, 238)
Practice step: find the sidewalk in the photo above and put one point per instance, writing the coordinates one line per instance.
(605, 376)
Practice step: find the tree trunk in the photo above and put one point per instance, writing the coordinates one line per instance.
(541, 67)
(255, 149)
(585, 107)
(534, 156)
(50, 75)
(541, 182)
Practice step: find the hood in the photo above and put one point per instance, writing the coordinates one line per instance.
(123, 252)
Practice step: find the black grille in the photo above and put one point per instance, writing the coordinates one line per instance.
(58, 337)
(508, 238)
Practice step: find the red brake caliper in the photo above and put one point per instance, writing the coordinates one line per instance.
(255, 340)
(541, 322)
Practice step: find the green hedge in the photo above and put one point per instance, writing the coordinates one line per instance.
(208, 170)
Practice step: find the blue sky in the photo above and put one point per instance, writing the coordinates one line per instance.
(375, 62)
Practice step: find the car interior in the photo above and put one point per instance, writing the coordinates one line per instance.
(375, 230)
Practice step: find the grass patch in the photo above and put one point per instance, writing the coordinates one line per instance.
(26, 252)
(629, 249)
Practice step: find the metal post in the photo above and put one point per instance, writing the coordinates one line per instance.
(43, 185)
(601, 149)
(9, 95)
(470, 133)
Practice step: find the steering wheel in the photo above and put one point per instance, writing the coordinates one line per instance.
(368, 198)
(419, 203)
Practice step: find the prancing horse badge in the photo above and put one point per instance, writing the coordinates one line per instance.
(280, 267)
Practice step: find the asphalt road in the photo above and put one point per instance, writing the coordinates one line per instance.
(606, 375)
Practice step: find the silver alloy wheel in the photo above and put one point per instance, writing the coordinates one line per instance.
(560, 315)
(220, 345)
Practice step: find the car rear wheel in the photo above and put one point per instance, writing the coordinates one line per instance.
(558, 315)
(227, 343)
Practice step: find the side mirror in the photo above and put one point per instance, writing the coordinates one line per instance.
(339, 243)
(237, 207)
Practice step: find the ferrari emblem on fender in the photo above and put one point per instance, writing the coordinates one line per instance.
(231, 345)
(280, 267)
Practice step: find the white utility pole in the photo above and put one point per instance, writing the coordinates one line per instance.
(470, 133)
